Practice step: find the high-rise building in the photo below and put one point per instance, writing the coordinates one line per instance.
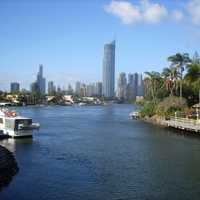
(14, 87)
(98, 89)
(34, 87)
(130, 87)
(109, 70)
(41, 82)
(90, 90)
(140, 88)
(135, 82)
(83, 90)
(51, 88)
(78, 88)
(70, 90)
(122, 86)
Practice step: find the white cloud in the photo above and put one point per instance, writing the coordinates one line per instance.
(130, 13)
(193, 8)
(177, 15)
(153, 12)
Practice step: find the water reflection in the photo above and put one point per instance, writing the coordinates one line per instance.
(11, 143)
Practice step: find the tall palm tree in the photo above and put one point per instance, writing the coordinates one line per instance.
(153, 80)
(193, 72)
(170, 76)
(180, 61)
(192, 77)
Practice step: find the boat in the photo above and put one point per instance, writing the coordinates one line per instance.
(134, 115)
(16, 126)
(82, 104)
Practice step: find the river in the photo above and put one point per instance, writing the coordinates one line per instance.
(98, 153)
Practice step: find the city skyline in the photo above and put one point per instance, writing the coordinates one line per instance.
(54, 34)
(128, 86)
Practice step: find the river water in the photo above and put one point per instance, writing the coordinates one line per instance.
(97, 153)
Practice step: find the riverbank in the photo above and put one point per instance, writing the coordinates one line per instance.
(8, 167)
(156, 120)
(179, 124)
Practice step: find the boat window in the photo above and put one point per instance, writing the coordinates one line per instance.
(1, 121)
(22, 122)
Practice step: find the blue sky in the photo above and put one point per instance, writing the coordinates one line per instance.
(67, 37)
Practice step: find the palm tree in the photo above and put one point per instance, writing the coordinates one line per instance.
(192, 77)
(193, 72)
(170, 76)
(180, 61)
(153, 81)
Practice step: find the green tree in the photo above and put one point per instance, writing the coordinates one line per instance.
(192, 79)
(153, 83)
(171, 76)
(179, 61)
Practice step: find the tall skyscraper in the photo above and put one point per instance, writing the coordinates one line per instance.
(51, 88)
(135, 84)
(78, 88)
(70, 90)
(41, 82)
(98, 90)
(90, 90)
(14, 87)
(122, 86)
(109, 70)
(130, 87)
(34, 87)
(83, 90)
(140, 89)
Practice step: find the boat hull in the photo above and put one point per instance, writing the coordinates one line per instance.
(18, 134)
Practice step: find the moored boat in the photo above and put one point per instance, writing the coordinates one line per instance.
(13, 125)
(134, 115)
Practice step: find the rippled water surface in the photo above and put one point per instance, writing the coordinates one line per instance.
(97, 153)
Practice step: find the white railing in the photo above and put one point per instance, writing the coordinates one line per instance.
(184, 123)
(185, 120)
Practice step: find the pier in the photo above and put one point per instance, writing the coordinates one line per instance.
(191, 125)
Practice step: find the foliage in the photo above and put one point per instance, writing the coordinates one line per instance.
(179, 61)
(148, 109)
(170, 105)
(154, 86)
(171, 83)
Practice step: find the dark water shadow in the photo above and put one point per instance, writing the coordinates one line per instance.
(8, 167)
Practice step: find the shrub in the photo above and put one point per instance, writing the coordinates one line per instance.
(170, 105)
(148, 109)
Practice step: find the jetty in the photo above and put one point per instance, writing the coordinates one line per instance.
(192, 125)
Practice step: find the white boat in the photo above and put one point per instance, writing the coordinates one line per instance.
(134, 115)
(13, 125)
(82, 104)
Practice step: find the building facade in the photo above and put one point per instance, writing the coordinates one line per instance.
(78, 88)
(14, 87)
(109, 70)
(122, 86)
(130, 87)
(98, 89)
(140, 87)
(51, 88)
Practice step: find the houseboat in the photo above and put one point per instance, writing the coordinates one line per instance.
(13, 125)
